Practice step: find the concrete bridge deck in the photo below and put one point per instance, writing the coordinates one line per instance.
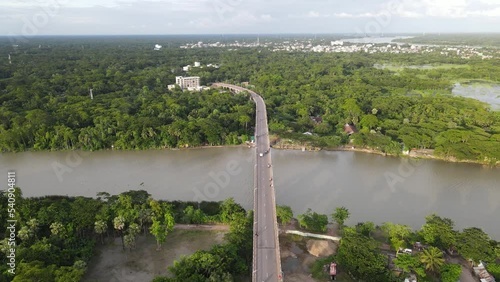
(266, 266)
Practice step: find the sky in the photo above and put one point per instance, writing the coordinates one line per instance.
(116, 17)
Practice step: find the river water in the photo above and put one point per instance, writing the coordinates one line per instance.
(372, 187)
(376, 40)
(488, 93)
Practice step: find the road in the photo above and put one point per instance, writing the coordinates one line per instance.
(266, 258)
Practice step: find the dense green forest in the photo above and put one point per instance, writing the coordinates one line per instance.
(362, 255)
(56, 236)
(45, 103)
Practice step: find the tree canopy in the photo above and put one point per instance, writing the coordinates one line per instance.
(45, 102)
(313, 221)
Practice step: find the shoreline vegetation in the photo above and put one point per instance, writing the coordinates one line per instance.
(59, 238)
(416, 154)
(426, 154)
(46, 101)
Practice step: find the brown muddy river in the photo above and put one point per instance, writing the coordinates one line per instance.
(372, 187)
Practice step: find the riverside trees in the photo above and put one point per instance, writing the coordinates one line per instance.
(313, 221)
(44, 102)
(359, 255)
(56, 235)
(362, 255)
(340, 215)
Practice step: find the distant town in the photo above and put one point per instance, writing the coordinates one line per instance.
(340, 46)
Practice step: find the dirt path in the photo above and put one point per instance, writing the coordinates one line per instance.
(466, 275)
(202, 227)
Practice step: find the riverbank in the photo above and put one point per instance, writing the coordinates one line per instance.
(289, 144)
(416, 154)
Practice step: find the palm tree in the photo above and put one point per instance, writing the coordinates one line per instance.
(24, 233)
(432, 258)
(144, 218)
(57, 229)
(119, 224)
(100, 227)
(33, 225)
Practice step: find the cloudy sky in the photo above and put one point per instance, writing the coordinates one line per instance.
(67, 17)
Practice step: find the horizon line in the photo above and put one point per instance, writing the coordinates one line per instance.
(262, 34)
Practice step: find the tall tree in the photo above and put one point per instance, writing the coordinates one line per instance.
(397, 234)
(57, 229)
(284, 214)
(229, 209)
(158, 230)
(432, 258)
(100, 227)
(450, 272)
(474, 244)
(313, 221)
(439, 231)
(410, 264)
(340, 215)
(119, 225)
(366, 228)
(359, 256)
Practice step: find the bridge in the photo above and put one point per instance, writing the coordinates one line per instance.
(266, 266)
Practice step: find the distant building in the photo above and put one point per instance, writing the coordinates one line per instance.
(187, 83)
(350, 129)
(197, 64)
(157, 47)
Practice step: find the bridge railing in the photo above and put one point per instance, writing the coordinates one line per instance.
(255, 218)
(275, 220)
(255, 207)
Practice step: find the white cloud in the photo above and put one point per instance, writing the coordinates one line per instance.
(343, 15)
(494, 13)
(313, 14)
(361, 15)
(266, 17)
(310, 14)
(242, 19)
(490, 2)
(447, 9)
(206, 16)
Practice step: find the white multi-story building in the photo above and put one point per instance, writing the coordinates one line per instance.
(189, 83)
